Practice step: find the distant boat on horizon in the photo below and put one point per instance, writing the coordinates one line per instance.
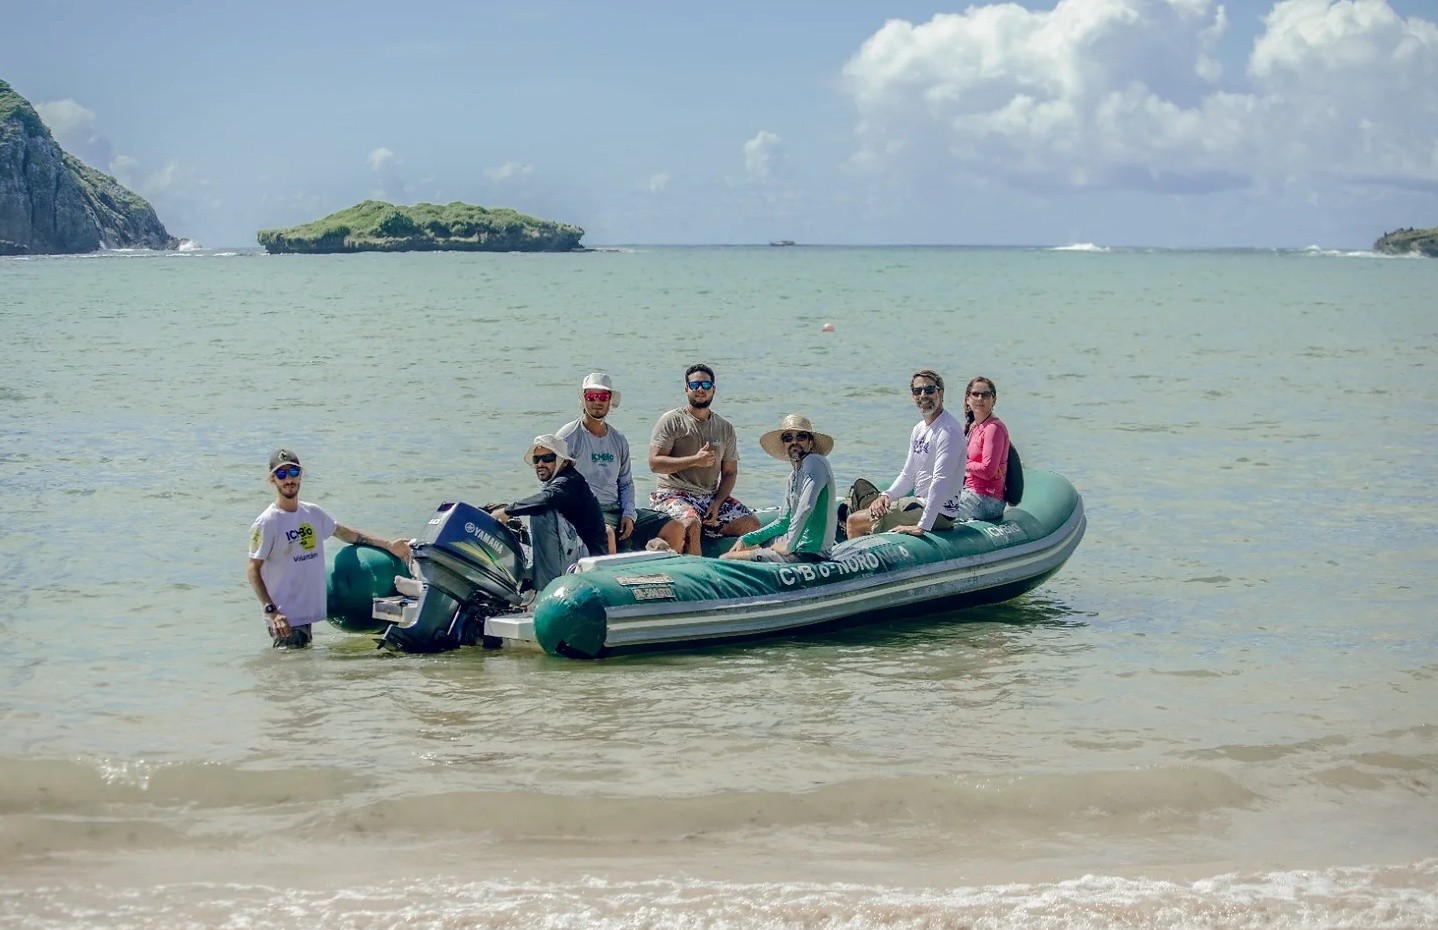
(781, 242)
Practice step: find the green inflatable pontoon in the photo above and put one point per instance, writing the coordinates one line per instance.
(645, 601)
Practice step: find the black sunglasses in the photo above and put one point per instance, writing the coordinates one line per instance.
(285, 472)
(548, 457)
(796, 437)
(704, 385)
(981, 393)
(923, 389)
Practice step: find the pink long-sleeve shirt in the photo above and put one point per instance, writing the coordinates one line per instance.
(988, 461)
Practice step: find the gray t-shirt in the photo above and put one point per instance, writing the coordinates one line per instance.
(604, 463)
(679, 434)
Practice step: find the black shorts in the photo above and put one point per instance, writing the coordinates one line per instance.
(299, 637)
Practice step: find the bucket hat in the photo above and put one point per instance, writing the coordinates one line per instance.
(551, 442)
(771, 443)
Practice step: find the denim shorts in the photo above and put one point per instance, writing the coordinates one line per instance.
(974, 506)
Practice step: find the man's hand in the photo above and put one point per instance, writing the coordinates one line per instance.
(399, 549)
(279, 624)
(879, 506)
(626, 527)
(911, 530)
(704, 458)
(499, 514)
(711, 516)
(780, 548)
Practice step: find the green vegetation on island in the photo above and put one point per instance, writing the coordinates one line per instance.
(1408, 241)
(376, 226)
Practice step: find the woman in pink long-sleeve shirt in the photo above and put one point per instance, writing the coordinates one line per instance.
(988, 459)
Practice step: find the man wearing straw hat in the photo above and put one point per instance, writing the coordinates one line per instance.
(601, 455)
(804, 532)
(564, 517)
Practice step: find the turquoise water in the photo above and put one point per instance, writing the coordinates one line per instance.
(1221, 712)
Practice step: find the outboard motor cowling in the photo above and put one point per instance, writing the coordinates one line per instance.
(471, 566)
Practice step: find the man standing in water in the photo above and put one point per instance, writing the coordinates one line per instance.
(696, 456)
(559, 512)
(804, 532)
(933, 471)
(601, 455)
(287, 555)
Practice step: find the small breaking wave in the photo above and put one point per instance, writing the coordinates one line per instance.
(1081, 247)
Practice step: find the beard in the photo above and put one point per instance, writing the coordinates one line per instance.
(796, 454)
(701, 404)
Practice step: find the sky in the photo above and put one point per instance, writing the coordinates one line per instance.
(1166, 123)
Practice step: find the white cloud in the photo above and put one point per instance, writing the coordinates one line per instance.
(657, 182)
(764, 155)
(509, 171)
(381, 159)
(74, 127)
(386, 164)
(1123, 94)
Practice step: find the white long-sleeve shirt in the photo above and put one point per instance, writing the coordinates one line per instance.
(934, 468)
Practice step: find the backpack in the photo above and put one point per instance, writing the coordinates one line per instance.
(1014, 478)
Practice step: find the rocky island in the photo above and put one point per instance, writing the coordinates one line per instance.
(52, 203)
(1408, 241)
(376, 226)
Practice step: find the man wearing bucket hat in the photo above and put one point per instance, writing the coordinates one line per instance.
(601, 455)
(563, 509)
(804, 531)
(287, 568)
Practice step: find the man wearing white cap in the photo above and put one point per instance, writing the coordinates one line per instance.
(601, 455)
(562, 509)
(804, 531)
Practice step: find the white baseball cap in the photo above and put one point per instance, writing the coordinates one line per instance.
(599, 381)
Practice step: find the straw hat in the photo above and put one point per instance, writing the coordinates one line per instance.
(771, 443)
(551, 442)
(599, 381)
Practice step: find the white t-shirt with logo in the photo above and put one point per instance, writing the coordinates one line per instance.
(292, 546)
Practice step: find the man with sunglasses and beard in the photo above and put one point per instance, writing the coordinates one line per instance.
(565, 508)
(933, 471)
(696, 456)
(287, 568)
(804, 531)
(601, 455)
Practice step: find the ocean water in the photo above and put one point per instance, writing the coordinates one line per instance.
(1223, 712)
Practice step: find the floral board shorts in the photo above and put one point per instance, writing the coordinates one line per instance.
(678, 505)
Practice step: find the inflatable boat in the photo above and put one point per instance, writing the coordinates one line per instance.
(470, 567)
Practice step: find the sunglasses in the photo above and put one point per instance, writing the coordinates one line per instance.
(704, 385)
(596, 395)
(548, 458)
(925, 389)
(796, 437)
(287, 471)
(981, 394)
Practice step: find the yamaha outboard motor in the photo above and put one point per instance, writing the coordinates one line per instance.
(470, 566)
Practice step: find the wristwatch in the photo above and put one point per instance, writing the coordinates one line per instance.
(271, 608)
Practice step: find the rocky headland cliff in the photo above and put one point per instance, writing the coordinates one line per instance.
(52, 203)
(1408, 242)
(376, 226)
